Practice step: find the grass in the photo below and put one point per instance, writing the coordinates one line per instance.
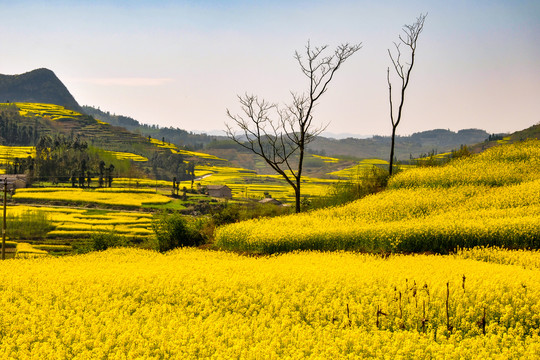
(357, 170)
(29, 224)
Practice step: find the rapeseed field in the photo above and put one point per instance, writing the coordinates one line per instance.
(489, 199)
(53, 112)
(106, 196)
(190, 304)
(481, 301)
(81, 223)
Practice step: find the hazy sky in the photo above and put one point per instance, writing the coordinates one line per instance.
(182, 63)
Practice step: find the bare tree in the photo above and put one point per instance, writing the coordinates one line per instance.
(280, 134)
(403, 71)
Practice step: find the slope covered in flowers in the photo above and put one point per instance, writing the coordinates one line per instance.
(489, 199)
(190, 304)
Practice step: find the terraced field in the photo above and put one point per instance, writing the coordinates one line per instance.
(118, 197)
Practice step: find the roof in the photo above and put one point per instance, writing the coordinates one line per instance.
(270, 201)
(11, 178)
(217, 187)
(16, 181)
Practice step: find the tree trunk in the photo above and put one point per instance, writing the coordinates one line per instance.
(297, 198)
(392, 150)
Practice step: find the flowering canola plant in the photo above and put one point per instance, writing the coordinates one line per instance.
(8, 153)
(54, 112)
(82, 223)
(497, 166)
(126, 156)
(118, 197)
(489, 199)
(190, 303)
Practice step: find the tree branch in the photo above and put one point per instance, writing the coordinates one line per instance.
(403, 71)
(281, 140)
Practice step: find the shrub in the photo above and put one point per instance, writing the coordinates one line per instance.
(231, 213)
(174, 230)
(227, 214)
(103, 240)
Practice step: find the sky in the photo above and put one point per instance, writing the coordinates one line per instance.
(183, 63)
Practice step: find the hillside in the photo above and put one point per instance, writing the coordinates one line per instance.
(59, 124)
(176, 135)
(532, 132)
(36, 86)
(487, 199)
(54, 119)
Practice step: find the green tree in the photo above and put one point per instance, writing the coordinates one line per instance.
(174, 230)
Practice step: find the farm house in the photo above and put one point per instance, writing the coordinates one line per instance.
(14, 181)
(219, 191)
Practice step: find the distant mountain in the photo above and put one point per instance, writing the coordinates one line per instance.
(36, 86)
(438, 140)
(344, 135)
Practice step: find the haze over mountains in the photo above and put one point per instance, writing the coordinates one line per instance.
(43, 86)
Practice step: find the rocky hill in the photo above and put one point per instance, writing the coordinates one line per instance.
(36, 86)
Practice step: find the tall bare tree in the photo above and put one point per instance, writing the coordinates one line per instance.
(403, 71)
(279, 134)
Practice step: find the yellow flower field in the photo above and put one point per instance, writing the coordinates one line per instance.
(246, 183)
(54, 112)
(326, 159)
(82, 223)
(174, 149)
(190, 304)
(106, 196)
(497, 166)
(8, 153)
(426, 209)
(133, 183)
(126, 156)
(198, 154)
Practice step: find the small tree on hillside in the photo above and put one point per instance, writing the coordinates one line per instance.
(101, 172)
(110, 171)
(403, 71)
(280, 135)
